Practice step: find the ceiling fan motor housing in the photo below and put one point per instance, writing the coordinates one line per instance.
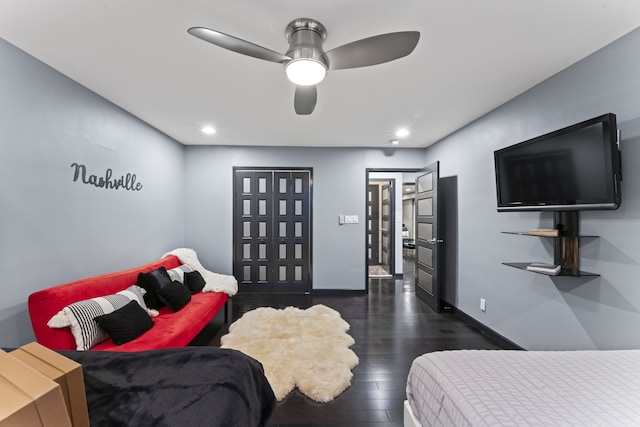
(305, 38)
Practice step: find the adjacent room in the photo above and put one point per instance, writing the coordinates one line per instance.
(368, 243)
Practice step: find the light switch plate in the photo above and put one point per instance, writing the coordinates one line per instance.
(351, 219)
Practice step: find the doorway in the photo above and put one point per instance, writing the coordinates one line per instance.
(381, 228)
(272, 230)
(409, 217)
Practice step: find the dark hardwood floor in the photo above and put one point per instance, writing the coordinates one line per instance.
(391, 327)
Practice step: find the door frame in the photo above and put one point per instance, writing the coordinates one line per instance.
(368, 171)
(276, 169)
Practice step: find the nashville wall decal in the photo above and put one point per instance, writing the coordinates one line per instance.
(125, 182)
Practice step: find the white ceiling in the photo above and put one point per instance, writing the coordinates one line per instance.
(472, 57)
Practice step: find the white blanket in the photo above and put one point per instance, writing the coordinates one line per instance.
(215, 282)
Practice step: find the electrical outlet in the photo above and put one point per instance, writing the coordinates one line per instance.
(483, 304)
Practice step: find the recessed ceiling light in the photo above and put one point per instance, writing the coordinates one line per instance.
(209, 130)
(394, 142)
(401, 133)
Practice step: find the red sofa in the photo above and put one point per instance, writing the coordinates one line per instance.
(170, 329)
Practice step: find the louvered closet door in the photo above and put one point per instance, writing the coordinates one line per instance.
(272, 229)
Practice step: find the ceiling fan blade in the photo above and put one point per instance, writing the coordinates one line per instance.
(373, 50)
(305, 100)
(237, 45)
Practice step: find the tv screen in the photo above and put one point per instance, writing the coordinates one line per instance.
(574, 168)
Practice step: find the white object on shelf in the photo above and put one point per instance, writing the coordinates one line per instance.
(544, 268)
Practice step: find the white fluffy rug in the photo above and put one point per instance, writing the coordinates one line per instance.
(308, 349)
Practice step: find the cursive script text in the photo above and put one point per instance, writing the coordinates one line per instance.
(126, 182)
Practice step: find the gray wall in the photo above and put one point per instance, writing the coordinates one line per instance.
(339, 185)
(532, 310)
(54, 230)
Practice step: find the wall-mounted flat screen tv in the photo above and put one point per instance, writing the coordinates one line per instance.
(574, 168)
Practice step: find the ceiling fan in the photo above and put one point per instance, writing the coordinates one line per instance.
(306, 63)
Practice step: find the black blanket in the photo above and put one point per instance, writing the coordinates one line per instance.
(192, 386)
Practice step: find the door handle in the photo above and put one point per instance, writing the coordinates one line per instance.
(434, 241)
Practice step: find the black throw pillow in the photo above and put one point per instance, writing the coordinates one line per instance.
(194, 281)
(126, 323)
(175, 295)
(152, 282)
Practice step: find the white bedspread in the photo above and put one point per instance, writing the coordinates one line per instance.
(526, 388)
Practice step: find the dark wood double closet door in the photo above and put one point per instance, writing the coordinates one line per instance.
(272, 230)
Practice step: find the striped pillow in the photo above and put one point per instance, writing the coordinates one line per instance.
(177, 274)
(85, 330)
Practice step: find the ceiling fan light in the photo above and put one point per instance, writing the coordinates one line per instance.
(305, 71)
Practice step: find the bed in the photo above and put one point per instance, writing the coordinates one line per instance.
(192, 386)
(524, 388)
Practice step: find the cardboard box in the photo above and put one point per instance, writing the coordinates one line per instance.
(28, 397)
(66, 372)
